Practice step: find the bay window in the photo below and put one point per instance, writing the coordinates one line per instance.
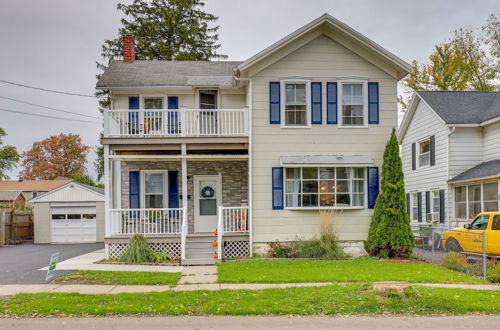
(474, 199)
(325, 187)
(296, 105)
(490, 196)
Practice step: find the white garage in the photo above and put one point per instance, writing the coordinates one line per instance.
(73, 213)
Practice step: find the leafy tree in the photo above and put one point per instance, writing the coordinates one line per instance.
(390, 233)
(58, 155)
(163, 30)
(8, 157)
(492, 37)
(84, 178)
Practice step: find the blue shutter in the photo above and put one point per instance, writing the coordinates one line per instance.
(173, 189)
(173, 117)
(277, 188)
(133, 116)
(316, 103)
(331, 103)
(274, 102)
(373, 106)
(134, 190)
(372, 186)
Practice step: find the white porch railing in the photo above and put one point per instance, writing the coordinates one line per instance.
(175, 123)
(146, 221)
(232, 219)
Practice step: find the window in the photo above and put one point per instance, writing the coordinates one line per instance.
(74, 216)
(480, 223)
(424, 153)
(353, 104)
(153, 103)
(296, 104)
(58, 216)
(495, 225)
(474, 198)
(414, 206)
(329, 187)
(154, 186)
(88, 216)
(490, 192)
(208, 99)
(435, 201)
(461, 202)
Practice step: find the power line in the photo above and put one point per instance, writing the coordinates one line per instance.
(45, 89)
(47, 116)
(50, 108)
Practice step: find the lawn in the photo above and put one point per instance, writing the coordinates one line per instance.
(337, 299)
(130, 278)
(354, 270)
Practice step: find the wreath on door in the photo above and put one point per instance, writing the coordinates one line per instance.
(207, 192)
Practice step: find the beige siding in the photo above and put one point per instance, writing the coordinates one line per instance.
(492, 142)
(323, 60)
(41, 222)
(466, 149)
(425, 123)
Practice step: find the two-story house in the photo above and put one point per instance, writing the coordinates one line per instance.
(451, 156)
(241, 154)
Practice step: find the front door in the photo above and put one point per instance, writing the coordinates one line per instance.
(207, 198)
(208, 114)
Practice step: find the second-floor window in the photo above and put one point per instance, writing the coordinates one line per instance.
(424, 153)
(295, 104)
(353, 113)
(153, 103)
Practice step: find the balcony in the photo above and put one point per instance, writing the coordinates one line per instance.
(176, 123)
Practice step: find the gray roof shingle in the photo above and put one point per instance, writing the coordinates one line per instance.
(486, 169)
(166, 73)
(463, 107)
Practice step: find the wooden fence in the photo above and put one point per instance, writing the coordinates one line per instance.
(15, 226)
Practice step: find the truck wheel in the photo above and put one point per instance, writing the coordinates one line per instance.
(453, 246)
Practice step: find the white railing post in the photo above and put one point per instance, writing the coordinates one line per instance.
(220, 230)
(183, 122)
(184, 230)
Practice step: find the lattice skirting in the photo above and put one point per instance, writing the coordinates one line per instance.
(115, 250)
(233, 249)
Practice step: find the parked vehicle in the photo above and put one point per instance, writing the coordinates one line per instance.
(468, 238)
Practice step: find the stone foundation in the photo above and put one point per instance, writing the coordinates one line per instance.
(352, 249)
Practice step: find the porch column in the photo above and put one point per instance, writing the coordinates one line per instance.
(184, 177)
(107, 191)
(117, 188)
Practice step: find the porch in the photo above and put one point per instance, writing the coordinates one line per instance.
(192, 208)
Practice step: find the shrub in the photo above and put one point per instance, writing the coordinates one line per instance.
(390, 233)
(493, 272)
(160, 257)
(137, 251)
(456, 261)
(282, 250)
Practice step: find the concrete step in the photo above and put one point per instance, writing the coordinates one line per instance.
(199, 245)
(198, 255)
(198, 261)
(208, 239)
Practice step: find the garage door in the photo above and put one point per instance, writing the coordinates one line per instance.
(73, 224)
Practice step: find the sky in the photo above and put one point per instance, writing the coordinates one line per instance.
(54, 44)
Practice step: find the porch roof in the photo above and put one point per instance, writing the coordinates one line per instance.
(346, 160)
(484, 170)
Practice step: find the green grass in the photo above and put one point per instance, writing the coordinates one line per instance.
(355, 270)
(130, 278)
(351, 299)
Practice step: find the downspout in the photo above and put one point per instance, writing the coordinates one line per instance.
(250, 161)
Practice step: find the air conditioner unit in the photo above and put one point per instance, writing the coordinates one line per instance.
(432, 217)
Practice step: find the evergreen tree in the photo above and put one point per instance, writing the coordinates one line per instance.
(163, 30)
(390, 233)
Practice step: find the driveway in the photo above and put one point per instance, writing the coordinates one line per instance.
(19, 264)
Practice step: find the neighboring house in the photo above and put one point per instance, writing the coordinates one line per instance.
(451, 156)
(12, 198)
(72, 213)
(253, 149)
(32, 188)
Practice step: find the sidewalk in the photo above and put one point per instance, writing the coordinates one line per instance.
(6, 290)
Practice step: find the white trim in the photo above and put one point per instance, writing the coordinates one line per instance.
(283, 84)
(418, 154)
(199, 157)
(50, 192)
(197, 97)
(142, 174)
(340, 101)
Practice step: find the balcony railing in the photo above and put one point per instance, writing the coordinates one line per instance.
(127, 222)
(176, 123)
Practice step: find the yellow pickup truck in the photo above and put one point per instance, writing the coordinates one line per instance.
(468, 238)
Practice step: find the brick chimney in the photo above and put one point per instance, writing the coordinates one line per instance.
(128, 48)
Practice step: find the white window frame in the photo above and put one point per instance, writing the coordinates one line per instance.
(142, 98)
(283, 84)
(413, 204)
(298, 208)
(466, 186)
(340, 96)
(431, 200)
(417, 156)
(204, 89)
(143, 186)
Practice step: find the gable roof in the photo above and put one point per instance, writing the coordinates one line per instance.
(455, 108)
(344, 30)
(140, 74)
(483, 170)
(99, 192)
(32, 185)
(10, 195)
